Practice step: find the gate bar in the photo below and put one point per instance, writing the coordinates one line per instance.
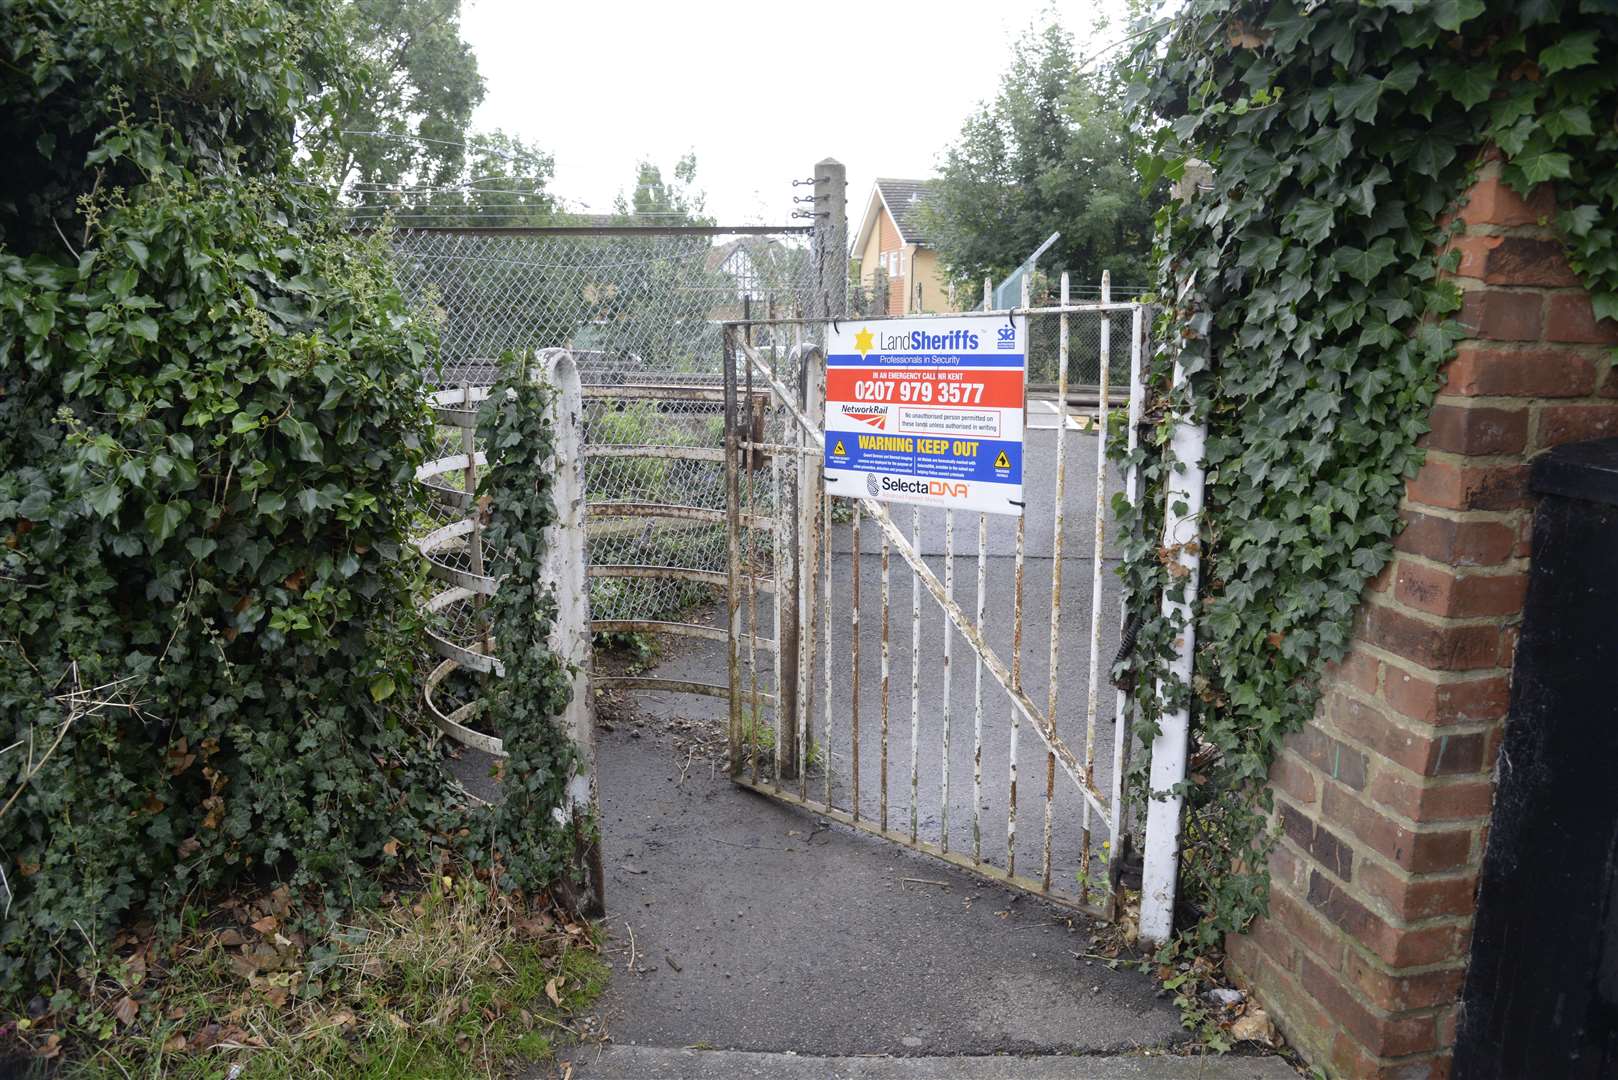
(1056, 577)
(1124, 743)
(1093, 689)
(977, 698)
(915, 671)
(949, 591)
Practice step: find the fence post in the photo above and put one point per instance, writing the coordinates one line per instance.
(566, 565)
(831, 238)
(1182, 495)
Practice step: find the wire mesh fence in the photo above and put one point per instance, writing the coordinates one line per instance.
(634, 306)
(642, 309)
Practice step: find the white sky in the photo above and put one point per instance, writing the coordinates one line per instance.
(759, 90)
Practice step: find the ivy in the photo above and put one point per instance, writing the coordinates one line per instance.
(211, 413)
(531, 828)
(1311, 316)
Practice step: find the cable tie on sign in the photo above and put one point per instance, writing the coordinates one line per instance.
(1017, 502)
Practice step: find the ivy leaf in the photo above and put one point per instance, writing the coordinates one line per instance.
(1545, 165)
(1311, 221)
(1357, 99)
(1470, 84)
(1572, 120)
(105, 500)
(39, 322)
(1579, 220)
(1605, 305)
(1534, 12)
(1364, 265)
(163, 518)
(122, 282)
(382, 688)
(137, 251)
(1404, 77)
(142, 326)
(1574, 50)
(1451, 14)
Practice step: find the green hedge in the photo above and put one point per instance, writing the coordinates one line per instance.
(211, 411)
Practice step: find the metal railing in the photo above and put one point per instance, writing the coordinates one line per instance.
(818, 562)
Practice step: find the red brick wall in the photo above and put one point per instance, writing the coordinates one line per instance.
(1383, 800)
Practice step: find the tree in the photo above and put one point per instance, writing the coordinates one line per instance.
(661, 202)
(407, 129)
(1054, 152)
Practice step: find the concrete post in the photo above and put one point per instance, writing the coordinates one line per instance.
(831, 239)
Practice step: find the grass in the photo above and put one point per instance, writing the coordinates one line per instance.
(450, 981)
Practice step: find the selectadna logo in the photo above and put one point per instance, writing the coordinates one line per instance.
(1007, 338)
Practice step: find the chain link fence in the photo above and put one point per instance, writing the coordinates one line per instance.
(635, 305)
(642, 311)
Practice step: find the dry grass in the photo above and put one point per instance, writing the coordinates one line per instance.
(451, 981)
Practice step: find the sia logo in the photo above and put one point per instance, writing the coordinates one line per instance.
(872, 485)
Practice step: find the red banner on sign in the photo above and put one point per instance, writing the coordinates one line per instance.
(908, 386)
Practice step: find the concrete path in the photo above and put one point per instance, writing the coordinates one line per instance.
(652, 1063)
(759, 927)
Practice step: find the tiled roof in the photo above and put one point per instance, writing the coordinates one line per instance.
(904, 198)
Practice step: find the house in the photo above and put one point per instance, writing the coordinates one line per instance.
(891, 249)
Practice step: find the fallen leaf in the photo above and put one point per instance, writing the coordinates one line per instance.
(551, 990)
(174, 1043)
(267, 924)
(230, 937)
(391, 848)
(1254, 1026)
(126, 1010)
(276, 995)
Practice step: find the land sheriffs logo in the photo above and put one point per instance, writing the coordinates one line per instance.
(872, 485)
(863, 342)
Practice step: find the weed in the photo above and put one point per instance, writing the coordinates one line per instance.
(451, 981)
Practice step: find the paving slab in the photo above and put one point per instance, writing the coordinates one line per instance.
(656, 1063)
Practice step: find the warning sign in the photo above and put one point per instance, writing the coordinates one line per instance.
(928, 411)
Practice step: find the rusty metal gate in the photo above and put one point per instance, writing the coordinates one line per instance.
(889, 702)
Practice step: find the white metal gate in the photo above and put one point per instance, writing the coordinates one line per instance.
(805, 717)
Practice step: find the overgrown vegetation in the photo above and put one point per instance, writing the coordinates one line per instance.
(211, 411)
(211, 417)
(1313, 321)
(534, 830)
(446, 979)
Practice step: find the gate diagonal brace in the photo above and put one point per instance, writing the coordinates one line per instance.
(1037, 720)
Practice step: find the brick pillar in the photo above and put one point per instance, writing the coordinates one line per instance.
(1383, 800)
